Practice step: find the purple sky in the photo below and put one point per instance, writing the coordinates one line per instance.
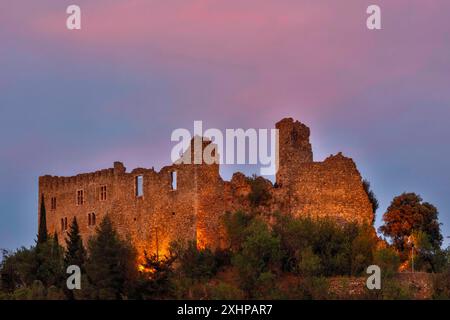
(75, 101)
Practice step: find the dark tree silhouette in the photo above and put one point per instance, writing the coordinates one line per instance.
(111, 266)
(42, 233)
(372, 198)
(75, 251)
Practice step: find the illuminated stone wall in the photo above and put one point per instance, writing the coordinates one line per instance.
(193, 210)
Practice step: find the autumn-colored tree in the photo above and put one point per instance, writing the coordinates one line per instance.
(408, 214)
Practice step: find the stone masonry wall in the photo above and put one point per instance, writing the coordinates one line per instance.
(193, 210)
(332, 188)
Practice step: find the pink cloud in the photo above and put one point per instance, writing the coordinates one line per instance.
(305, 57)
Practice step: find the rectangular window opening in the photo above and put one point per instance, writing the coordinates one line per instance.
(139, 186)
(173, 180)
(102, 193)
(53, 203)
(80, 197)
(91, 219)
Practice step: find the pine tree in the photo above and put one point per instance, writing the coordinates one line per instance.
(55, 238)
(42, 233)
(49, 262)
(75, 253)
(111, 267)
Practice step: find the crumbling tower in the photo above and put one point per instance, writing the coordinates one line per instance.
(294, 148)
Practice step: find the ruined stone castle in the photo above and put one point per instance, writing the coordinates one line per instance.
(186, 201)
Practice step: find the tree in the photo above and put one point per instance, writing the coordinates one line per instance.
(363, 247)
(48, 254)
(75, 251)
(49, 263)
(17, 269)
(408, 214)
(155, 278)
(388, 261)
(195, 263)
(236, 225)
(259, 191)
(42, 263)
(259, 257)
(441, 283)
(426, 257)
(111, 266)
(42, 233)
(372, 198)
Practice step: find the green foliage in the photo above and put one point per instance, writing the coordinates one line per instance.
(288, 258)
(111, 266)
(225, 291)
(26, 265)
(42, 233)
(155, 279)
(223, 258)
(49, 259)
(75, 252)
(332, 243)
(441, 281)
(311, 288)
(392, 289)
(329, 248)
(363, 247)
(259, 194)
(309, 263)
(36, 291)
(388, 261)
(408, 214)
(260, 255)
(236, 225)
(372, 198)
(195, 263)
(426, 257)
(17, 269)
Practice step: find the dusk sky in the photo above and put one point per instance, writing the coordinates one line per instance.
(76, 101)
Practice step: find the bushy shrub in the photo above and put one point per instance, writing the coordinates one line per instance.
(43, 262)
(225, 291)
(333, 249)
(388, 260)
(392, 289)
(223, 258)
(236, 225)
(312, 288)
(259, 191)
(17, 269)
(309, 263)
(441, 281)
(195, 263)
(259, 257)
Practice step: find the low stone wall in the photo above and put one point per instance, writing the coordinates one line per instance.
(419, 284)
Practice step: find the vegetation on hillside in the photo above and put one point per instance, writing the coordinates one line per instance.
(288, 258)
